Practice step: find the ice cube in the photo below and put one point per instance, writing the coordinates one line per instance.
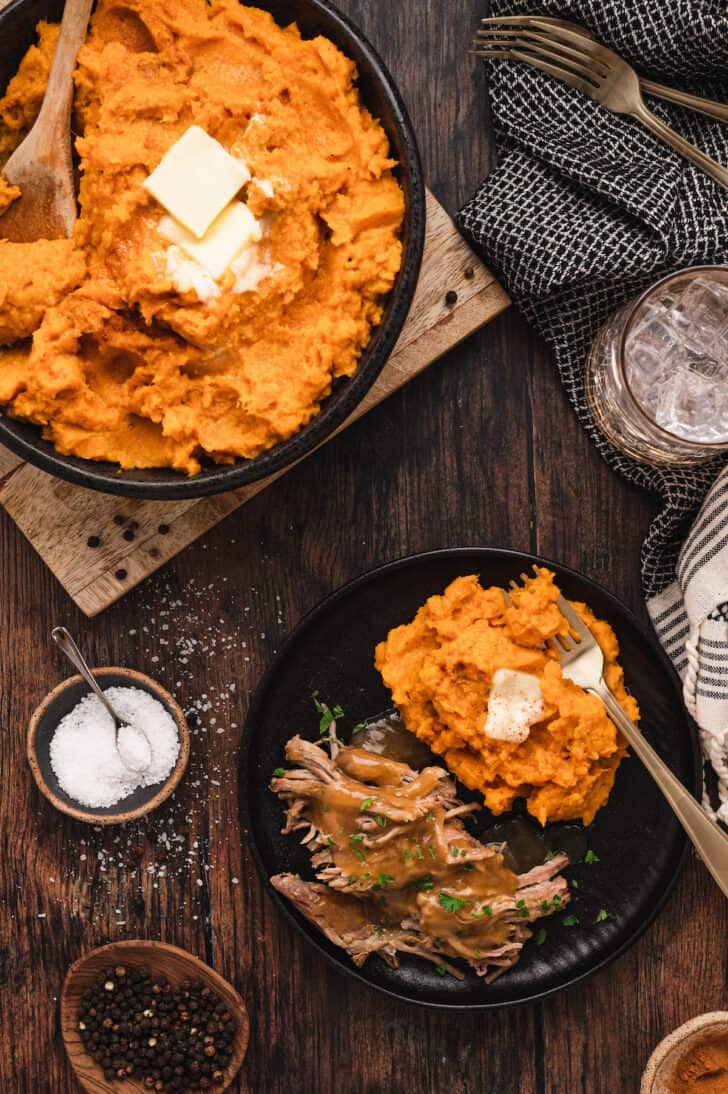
(651, 356)
(706, 366)
(691, 406)
(703, 306)
(652, 331)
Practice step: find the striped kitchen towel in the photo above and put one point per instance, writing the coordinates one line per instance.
(584, 211)
(691, 619)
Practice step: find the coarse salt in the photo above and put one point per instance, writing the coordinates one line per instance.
(83, 751)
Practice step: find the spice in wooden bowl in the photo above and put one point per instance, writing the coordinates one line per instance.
(703, 1068)
(83, 776)
(141, 1016)
(693, 1059)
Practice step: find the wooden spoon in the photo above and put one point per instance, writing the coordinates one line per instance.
(41, 165)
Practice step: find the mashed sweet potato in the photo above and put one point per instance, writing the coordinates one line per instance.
(440, 668)
(126, 363)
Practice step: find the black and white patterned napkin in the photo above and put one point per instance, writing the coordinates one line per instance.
(585, 210)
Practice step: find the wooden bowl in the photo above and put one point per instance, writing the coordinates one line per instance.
(657, 1077)
(62, 700)
(169, 961)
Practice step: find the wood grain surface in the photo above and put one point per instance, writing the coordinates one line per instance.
(483, 449)
(99, 547)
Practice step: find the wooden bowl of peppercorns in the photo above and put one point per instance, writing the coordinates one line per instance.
(139, 1016)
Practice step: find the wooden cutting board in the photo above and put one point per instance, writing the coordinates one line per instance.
(99, 547)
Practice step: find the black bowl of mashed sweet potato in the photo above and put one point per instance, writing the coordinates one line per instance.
(117, 373)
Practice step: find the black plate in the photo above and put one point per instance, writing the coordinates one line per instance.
(640, 845)
(380, 95)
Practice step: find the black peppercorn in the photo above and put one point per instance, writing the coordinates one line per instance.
(169, 1038)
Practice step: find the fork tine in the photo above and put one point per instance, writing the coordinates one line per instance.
(558, 645)
(508, 53)
(532, 41)
(587, 47)
(574, 620)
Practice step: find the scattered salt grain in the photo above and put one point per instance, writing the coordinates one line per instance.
(83, 751)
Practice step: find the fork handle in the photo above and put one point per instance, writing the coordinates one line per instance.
(709, 840)
(679, 144)
(708, 107)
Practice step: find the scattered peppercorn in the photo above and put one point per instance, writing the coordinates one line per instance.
(93, 541)
(169, 1038)
(469, 273)
(120, 575)
(451, 298)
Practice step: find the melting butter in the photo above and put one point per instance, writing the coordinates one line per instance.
(515, 704)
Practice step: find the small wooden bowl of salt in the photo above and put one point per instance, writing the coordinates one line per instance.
(73, 755)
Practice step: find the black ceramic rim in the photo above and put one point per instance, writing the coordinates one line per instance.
(307, 931)
(165, 484)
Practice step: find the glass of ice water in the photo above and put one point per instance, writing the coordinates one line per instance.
(657, 373)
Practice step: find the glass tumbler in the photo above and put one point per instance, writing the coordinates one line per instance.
(657, 372)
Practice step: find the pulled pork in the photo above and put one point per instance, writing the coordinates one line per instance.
(397, 871)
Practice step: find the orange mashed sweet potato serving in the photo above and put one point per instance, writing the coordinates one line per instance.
(108, 347)
(440, 670)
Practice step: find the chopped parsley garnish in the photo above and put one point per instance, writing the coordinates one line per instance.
(418, 852)
(550, 905)
(353, 878)
(356, 837)
(522, 909)
(358, 728)
(540, 936)
(549, 855)
(385, 879)
(408, 856)
(574, 883)
(360, 855)
(469, 867)
(451, 903)
(454, 852)
(484, 909)
(379, 932)
(430, 816)
(366, 804)
(279, 772)
(381, 821)
(381, 900)
(570, 920)
(590, 858)
(433, 852)
(602, 914)
(330, 841)
(423, 884)
(327, 714)
(441, 969)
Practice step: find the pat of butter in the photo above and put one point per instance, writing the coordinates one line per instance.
(234, 229)
(515, 704)
(196, 179)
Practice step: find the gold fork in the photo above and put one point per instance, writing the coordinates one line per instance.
(510, 28)
(582, 662)
(584, 64)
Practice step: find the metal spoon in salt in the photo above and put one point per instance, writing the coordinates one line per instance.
(131, 744)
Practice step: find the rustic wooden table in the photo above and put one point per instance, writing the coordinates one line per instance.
(483, 449)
